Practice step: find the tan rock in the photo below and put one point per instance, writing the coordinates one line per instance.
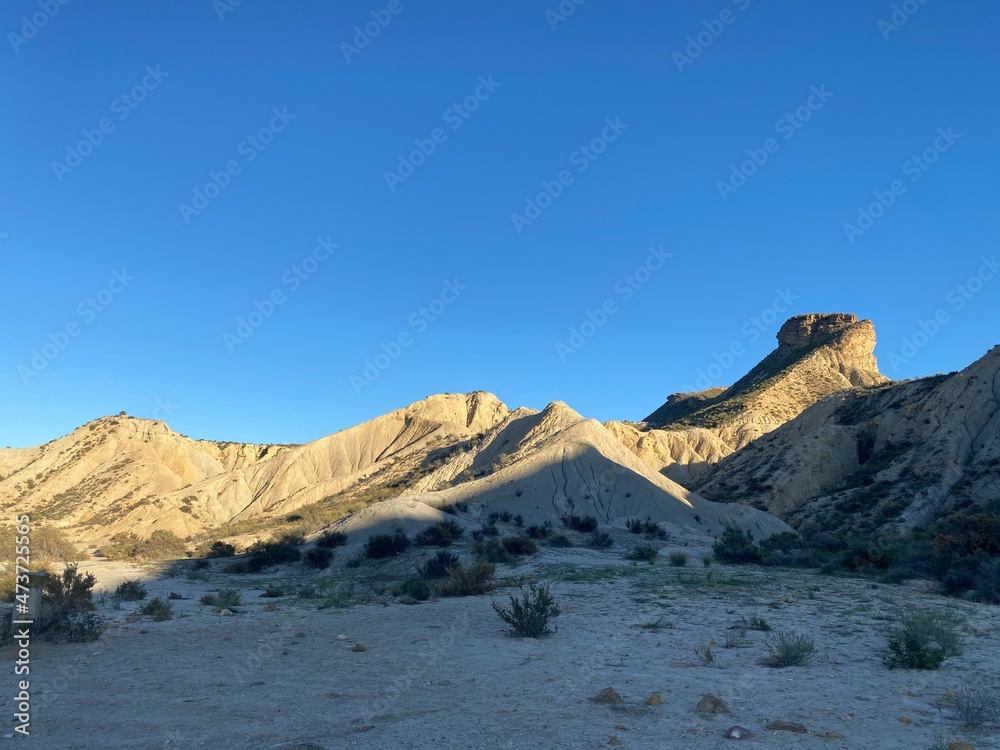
(608, 696)
(710, 704)
(787, 726)
(654, 700)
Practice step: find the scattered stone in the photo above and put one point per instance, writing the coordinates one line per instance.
(834, 736)
(621, 727)
(787, 726)
(709, 704)
(906, 720)
(341, 637)
(357, 647)
(738, 733)
(960, 746)
(654, 700)
(608, 695)
(300, 635)
(226, 612)
(615, 741)
(143, 631)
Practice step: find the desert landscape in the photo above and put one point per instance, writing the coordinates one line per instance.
(719, 570)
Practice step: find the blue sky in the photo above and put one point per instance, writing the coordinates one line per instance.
(451, 197)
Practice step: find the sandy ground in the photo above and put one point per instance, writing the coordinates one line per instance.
(443, 674)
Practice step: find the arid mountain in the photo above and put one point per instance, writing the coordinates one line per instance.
(121, 474)
(897, 455)
(817, 355)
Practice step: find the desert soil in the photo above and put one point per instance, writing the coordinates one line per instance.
(443, 674)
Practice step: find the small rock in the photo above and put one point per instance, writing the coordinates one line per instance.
(960, 746)
(709, 704)
(738, 733)
(300, 635)
(834, 736)
(143, 631)
(357, 647)
(906, 720)
(341, 637)
(608, 695)
(786, 726)
(615, 741)
(621, 727)
(654, 700)
(225, 612)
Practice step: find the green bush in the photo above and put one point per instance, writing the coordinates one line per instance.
(415, 588)
(219, 548)
(642, 553)
(66, 611)
(921, 640)
(737, 548)
(440, 534)
(678, 558)
(586, 524)
(130, 591)
(224, 599)
(560, 540)
(380, 546)
(492, 551)
(600, 540)
(470, 580)
(319, 557)
(520, 545)
(529, 616)
(331, 539)
(161, 545)
(159, 609)
(788, 650)
(439, 565)
(540, 532)
(634, 525)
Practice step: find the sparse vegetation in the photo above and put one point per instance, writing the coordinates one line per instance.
(219, 548)
(161, 545)
(520, 545)
(788, 650)
(439, 565)
(159, 609)
(130, 591)
(529, 616)
(491, 550)
(440, 534)
(560, 540)
(600, 540)
(223, 599)
(540, 532)
(737, 548)
(262, 555)
(704, 652)
(922, 640)
(416, 588)
(976, 704)
(66, 612)
(319, 557)
(735, 638)
(678, 558)
(470, 580)
(753, 622)
(642, 553)
(585, 524)
(331, 539)
(380, 546)
(634, 525)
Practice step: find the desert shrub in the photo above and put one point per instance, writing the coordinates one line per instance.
(586, 524)
(786, 541)
(735, 637)
(921, 639)
(788, 650)
(130, 591)
(470, 580)
(600, 540)
(634, 525)
(704, 652)
(505, 516)
(440, 534)
(653, 530)
(280, 551)
(754, 622)
(319, 557)
(223, 599)
(540, 532)
(737, 548)
(331, 539)
(159, 609)
(123, 546)
(273, 592)
(519, 519)
(50, 544)
(642, 553)
(678, 558)
(487, 530)
(529, 616)
(161, 544)
(520, 545)
(491, 550)
(307, 592)
(219, 548)
(976, 704)
(415, 588)
(439, 565)
(380, 546)
(560, 540)
(66, 611)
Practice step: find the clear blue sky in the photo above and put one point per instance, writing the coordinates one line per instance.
(199, 89)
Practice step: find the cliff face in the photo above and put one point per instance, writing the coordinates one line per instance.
(817, 354)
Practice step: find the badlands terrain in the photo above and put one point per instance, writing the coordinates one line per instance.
(813, 440)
